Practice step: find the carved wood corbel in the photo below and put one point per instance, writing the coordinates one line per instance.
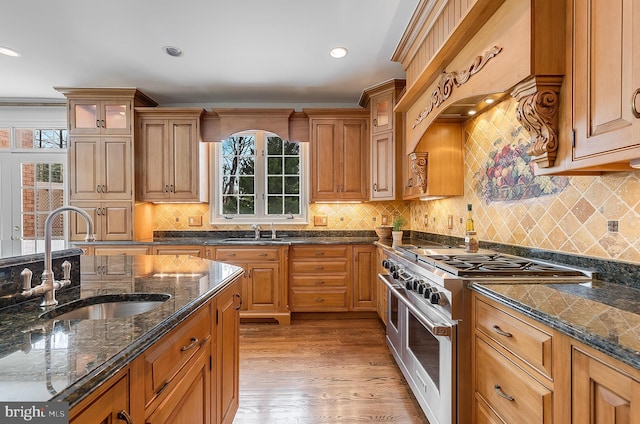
(537, 112)
(419, 168)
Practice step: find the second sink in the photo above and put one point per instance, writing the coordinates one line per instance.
(107, 306)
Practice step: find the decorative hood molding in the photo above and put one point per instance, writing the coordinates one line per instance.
(492, 46)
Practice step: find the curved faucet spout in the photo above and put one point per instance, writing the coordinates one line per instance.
(47, 274)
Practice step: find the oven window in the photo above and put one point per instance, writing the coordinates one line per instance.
(426, 349)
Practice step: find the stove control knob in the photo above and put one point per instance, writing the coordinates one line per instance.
(392, 267)
(385, 263)
(409, 285)
(395, 273)
(434, 298)
(416, 284)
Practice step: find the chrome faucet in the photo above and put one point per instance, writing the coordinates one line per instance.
(256, 229)
(48, 286)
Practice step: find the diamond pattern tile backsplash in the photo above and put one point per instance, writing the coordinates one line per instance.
(510, 205)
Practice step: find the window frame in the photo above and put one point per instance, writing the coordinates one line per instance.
(260, 188)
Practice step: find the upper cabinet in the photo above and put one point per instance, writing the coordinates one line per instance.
(339, 154)
(386, 138)
(171, 161)
(602, 132)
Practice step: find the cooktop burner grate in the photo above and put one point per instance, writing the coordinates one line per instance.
(496, 265)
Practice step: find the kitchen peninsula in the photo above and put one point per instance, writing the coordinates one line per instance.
(141, 366)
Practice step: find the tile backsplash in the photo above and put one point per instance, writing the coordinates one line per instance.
(576, 215)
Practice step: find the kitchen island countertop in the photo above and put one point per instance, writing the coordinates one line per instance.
(602, 315)
(42, 360)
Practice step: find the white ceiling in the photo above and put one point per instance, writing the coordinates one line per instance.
(236, 52)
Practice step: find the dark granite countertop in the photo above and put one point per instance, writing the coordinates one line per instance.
(602, 315)
(204, 241)
(43, 360)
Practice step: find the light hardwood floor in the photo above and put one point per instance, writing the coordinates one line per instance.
(321, 371)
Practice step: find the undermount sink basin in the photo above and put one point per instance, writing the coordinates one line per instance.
(107, 306)
(249, 240)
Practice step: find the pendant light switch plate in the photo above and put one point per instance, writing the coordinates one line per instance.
(320, 220)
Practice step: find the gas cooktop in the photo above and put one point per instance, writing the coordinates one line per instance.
(487, 263)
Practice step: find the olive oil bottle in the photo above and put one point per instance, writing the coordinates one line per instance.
(471, 238)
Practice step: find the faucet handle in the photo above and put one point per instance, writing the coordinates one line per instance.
(66, 270)
(26, 275)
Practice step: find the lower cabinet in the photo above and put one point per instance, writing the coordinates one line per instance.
(197, 251)
(524, 371)
(264, 284)
(109, 406)
(603, 393)
(190, 375)
(381, 288)
(332, 278)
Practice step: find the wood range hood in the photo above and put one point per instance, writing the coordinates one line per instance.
(458, 52)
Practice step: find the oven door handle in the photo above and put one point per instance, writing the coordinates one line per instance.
(435, 328)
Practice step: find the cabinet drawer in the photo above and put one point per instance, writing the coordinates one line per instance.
(498, 378)
(165, 359)
(319, 281)
(527, 342)
(319, 301)
(298, 267)
(320, 251)
(234, 254)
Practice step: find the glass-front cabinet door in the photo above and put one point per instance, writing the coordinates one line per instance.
(99, 117)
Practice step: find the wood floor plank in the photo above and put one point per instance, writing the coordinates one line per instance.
(321, 371)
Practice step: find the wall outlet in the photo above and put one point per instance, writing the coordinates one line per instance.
(195, 221)
(426, 220)
(320, 220)
(384, 220)
(450, 222)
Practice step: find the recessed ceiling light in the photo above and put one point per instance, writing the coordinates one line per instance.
(489, 101)
(338, 52)
(9, 52)
(172, 51)
(471, 112)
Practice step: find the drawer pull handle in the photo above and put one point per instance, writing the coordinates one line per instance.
(502, 394)
(124, 416)
(194, 343)
(319, 268)
(231, 254)
(502, 333)
(319, 300)
(262, 254)
(320, 282)
(319, 253)
(161, 389)
(240, 299)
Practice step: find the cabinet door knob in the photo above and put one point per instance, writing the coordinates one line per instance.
(124, 416)
(634, 109)
(240, 301)
(375, 122)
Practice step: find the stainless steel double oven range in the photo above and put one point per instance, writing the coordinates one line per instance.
(429, 315)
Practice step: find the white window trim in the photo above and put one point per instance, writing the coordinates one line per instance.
(215, 206)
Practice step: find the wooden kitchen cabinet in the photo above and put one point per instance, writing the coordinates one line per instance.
(197, 251)
(100, 123)
(319, 278)
(606, 82)
(100, 168)
(339, 154)
(108, 405)
(603, 392)
(436, 167)
(381, 288)
(264, 285)
(364, 278)
(94, 116)
(227, 364)
(513, 366)
(386, 138)
(171, 160)
(113, 221)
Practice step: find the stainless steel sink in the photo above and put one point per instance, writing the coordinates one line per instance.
(107, 306)
(250, 240)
